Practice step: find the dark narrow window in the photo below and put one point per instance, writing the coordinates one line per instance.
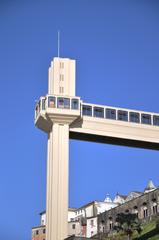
(37, 232)
(110, 113)
(122, 115)
(145, 213)
(39, 104)
(63, 102)
(36, 111)
(44, 231)
(73, 226)
(146, 118)
(51, 102)
(155, 209)
(75, 104)
(111, 225)
(156, 120)
(98, 112)
(87, 110)
(134, 117)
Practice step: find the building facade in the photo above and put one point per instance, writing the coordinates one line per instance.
(82, 222)
(145, 206)
(100, 216)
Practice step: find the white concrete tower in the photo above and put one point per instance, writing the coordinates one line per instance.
(62, 115)
(58, 110)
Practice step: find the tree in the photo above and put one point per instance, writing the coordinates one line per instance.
(128, 223)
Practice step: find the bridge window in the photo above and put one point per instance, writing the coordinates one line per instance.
(99, 112)
(39, 104)
(146, 118)
(110, 113)
(51, 102)
(43, 104)
(134, 117)
(87, 110)
(156, 120)
(75, 104)
(63, 102)
(122, 115)
(36, 111)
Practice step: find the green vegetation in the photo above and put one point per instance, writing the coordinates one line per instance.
(150, 231)
(128, 223)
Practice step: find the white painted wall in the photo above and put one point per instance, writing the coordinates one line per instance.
(91, 227)
(71, 215)
(43, 219)
(62, 77)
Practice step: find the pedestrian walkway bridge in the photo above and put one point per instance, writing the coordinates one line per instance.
(100, 123)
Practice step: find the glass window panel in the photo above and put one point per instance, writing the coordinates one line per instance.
(156, 120)
(99, 112)
(122, 115)
(36, 110)
(110, 113)
(146, 118)
(63, 102)
(134, 117)
(75, 104)
(51, 102)
(87, 110)
(39, 104)
(43, 104)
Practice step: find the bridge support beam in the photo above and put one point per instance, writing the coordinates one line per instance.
(57, 182)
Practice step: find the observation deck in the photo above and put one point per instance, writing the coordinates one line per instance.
(98, 123)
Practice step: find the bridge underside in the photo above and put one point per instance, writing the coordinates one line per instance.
(113, 140)
(115, 132)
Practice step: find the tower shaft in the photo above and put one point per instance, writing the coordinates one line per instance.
(57, 182)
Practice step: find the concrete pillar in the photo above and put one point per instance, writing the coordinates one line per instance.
(57, 182)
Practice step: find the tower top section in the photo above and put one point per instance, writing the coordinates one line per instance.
(62, 77)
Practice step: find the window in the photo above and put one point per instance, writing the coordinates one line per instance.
(44, 231)
(92, 223)
(156, 120)
(63, 102)
(39, 104)
(134, 117)
(87, 110)
(137, 214)
(74, 104)
(36, 111)
(146, 118)
(122, 115)
(37, 232)
(51, 102)
(155, 209)
(99, 112)
(73, 226)
(145, 212)
(110, 113)
(61, 77)
(110, 225)
(43, 104)
(61, 90)
(61, 65)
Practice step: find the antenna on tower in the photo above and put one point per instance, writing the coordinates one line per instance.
(58, 43)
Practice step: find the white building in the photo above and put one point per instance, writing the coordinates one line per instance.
(82, 222)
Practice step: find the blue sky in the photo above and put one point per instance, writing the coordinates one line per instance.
(116, 47)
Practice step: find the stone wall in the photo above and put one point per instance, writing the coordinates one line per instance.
(145, 206)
